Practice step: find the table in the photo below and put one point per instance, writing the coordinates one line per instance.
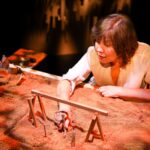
(127, 125)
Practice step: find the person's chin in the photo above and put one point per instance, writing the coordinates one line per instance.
(104, 62)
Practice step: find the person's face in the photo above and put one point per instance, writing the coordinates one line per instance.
(106, 53)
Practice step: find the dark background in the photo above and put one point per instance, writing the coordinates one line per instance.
(19, 19)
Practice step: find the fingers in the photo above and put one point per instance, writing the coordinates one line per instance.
(109, 91)
(101, 90)
(66, 123)
(62, 120)
(63, 126)
(104, 91)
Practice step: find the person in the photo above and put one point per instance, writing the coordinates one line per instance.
(119, 63)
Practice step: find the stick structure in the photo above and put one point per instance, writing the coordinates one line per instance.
(78, 105)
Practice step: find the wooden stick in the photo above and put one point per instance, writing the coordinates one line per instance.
(73, 138)
(103, 112)
(99, 127)
(45, 130)
(95, 120)
(32, 112)
(90, 129)
(42, 108)
(32, 106)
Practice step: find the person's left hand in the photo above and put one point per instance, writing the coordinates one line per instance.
(109, 91)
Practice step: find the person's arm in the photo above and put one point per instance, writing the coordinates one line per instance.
(66, 86)
(125, 93)
(135, 94)
(77, 74)
(63, 91)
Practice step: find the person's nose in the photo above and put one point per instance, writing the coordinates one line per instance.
(99, 48)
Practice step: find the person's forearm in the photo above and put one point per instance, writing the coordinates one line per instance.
(135, 94)
(63, 91)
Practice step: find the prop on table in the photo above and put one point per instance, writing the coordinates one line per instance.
(95, 120)
(26, 58)
(4, 63)
(4, 74)
(93, 134)
(8, 67)
(21, 79)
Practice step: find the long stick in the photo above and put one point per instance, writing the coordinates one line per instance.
(104, 112)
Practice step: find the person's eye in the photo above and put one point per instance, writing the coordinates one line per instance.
(108, 44)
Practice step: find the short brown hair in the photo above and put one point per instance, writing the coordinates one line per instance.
(119, 30)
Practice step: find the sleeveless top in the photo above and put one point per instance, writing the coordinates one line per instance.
(135, 74)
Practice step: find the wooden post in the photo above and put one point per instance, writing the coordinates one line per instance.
(95, 120)
(99, 127)
(31, 103)
(32, 114)
(71, 103)
(73, 140)
(90, 129)
(42, 108)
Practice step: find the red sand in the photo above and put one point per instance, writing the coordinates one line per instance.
(127, 126)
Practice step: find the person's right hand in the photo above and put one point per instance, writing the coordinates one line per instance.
(62, 116)
(62, 120)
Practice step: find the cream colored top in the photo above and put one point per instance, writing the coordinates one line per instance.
(135, 75)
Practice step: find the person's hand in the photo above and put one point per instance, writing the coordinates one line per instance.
(62, 117)
(110, 91)
(62, 120)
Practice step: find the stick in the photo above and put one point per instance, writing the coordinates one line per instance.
(73, 138)
(42, 108)
(103, 112)
(32, 112)
(45, 130)
(90, 129)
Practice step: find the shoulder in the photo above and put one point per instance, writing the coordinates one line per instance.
(143, 49)
(143, 46)
(142, 54)
(90, 51)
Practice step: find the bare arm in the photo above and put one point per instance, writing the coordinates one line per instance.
(125, 93)
(63, 91)
(135, 94)
(63, 114)
(75, 75)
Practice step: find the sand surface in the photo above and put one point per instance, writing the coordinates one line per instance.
(127, 126)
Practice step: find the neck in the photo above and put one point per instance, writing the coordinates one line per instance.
(116, 63)
(115, 70)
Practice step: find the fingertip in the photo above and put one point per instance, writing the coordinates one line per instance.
(67, 123)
